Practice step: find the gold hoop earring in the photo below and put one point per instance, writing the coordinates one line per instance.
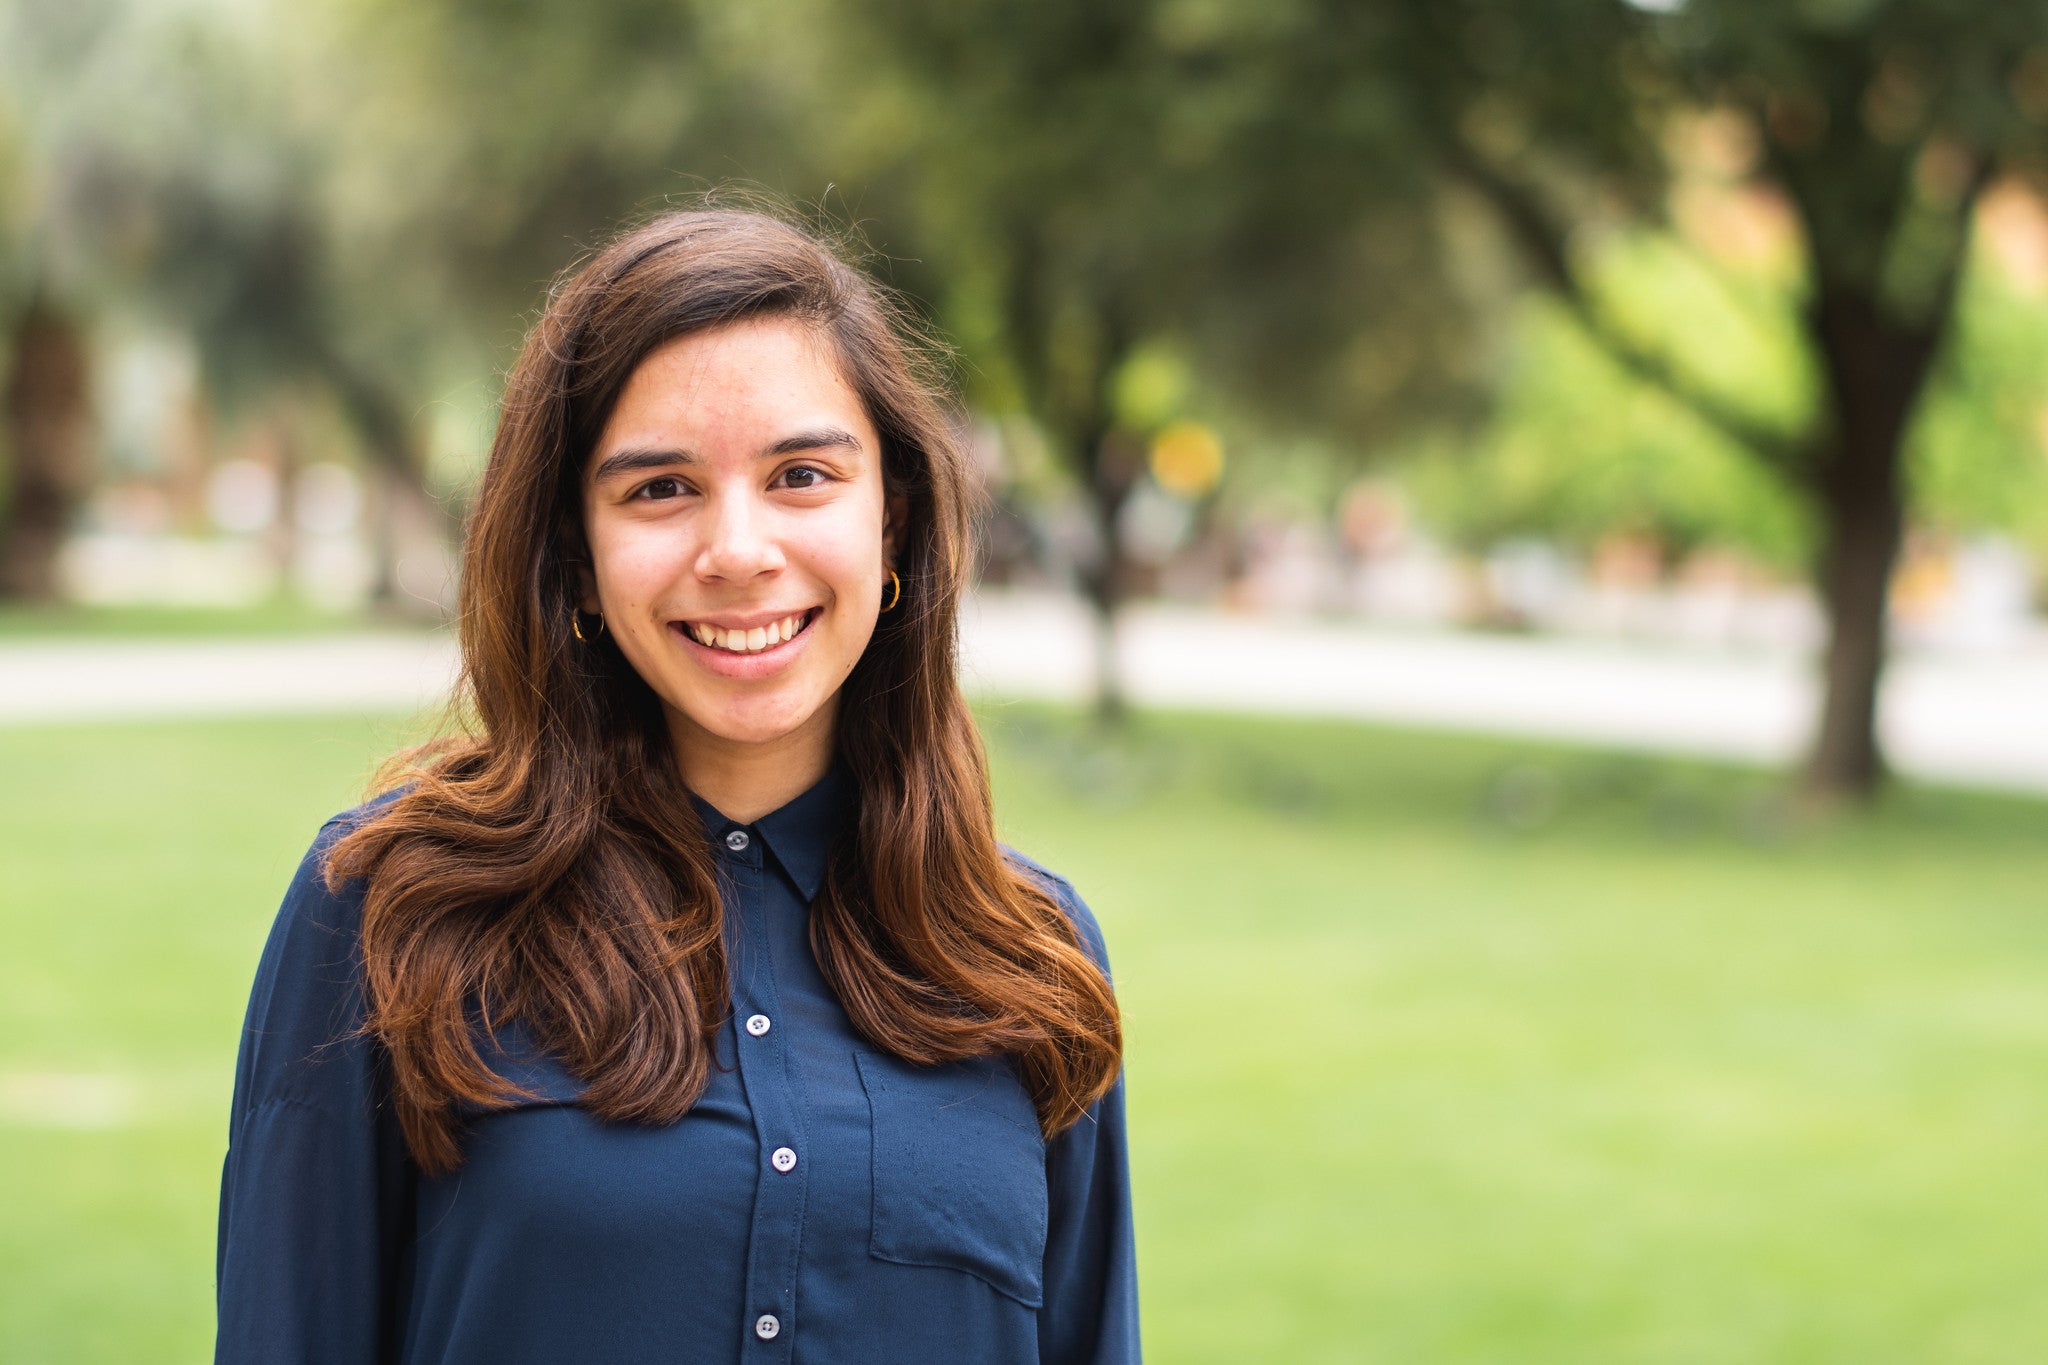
(576, 625)
(897, 584)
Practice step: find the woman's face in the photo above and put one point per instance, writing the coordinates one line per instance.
(740, 534)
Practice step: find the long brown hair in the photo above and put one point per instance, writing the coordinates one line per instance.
(547, 865)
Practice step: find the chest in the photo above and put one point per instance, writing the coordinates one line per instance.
(847, 1155)
(815, 1175)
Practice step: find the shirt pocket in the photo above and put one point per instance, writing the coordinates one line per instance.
(959, 1171)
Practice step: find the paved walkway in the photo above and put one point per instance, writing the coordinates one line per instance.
(1976, 720)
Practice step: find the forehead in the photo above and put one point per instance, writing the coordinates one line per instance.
(745, 383)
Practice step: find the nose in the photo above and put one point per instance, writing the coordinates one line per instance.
(739, 543)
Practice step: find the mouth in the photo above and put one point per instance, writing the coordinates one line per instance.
(749, 640)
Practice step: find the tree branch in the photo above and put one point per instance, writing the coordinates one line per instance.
(1543, 242)
(1942, 311)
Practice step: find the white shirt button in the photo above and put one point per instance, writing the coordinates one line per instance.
(767, 1326)
(737, 840)
(783, 1159)
(757, 1024)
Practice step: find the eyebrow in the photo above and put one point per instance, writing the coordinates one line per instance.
(635, 459)
(824, 438)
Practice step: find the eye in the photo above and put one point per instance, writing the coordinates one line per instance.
(802, 476)
(657, 490)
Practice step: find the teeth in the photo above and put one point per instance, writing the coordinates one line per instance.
(749, 641)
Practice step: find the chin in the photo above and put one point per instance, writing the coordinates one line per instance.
(751, 724)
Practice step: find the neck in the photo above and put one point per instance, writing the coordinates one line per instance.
(744, 780)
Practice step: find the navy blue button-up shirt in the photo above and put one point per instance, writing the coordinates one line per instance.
(823, 1201)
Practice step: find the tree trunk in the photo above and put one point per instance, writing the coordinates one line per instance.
(281, 452)
(1875, 369)
(397, 473)
(1112, 472)
(380, 512)
(1863, 524)
(48, 443)
(1067, 357)
(1112, 706)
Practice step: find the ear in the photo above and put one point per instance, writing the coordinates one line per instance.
(895, 518)
(586, 588)
(575, 558)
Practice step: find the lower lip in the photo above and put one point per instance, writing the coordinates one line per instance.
(727, 664)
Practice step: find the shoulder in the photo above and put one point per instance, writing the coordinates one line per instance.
(309, 903)
(1068, 899)
(354, 818)
(310, 907)
(307, 996)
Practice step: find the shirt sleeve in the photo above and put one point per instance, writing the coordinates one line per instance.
(316, 1189)
(1090, 1314)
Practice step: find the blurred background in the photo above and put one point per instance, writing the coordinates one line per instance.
(1514, 582)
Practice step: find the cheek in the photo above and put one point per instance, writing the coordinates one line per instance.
(846, 554)
(631, 566)
(852, 571)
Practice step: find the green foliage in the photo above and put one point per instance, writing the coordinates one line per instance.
(1578, 447)
(372, 194)
(1980, 445)
(1872, 129)
(1151, 388)
(1081, 182)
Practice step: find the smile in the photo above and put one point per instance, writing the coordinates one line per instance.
(751, 639)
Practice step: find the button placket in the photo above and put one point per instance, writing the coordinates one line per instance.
(764, 1069)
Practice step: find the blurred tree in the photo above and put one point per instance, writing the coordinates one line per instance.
(1576, 451)
(493, 141)
(178, 175)
(1080, 185)
(46, 436)
(1875, 125)
(1979, 442)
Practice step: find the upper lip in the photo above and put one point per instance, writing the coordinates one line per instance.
(755, 621)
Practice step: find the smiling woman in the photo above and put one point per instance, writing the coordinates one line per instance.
(736, 490)
(695, 970)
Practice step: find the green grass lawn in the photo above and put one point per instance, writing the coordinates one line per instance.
(282, 616)
(1441, 1050)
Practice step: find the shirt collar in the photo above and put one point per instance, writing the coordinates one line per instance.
(799, 833)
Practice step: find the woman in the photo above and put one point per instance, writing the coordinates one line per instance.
(688, 1010)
